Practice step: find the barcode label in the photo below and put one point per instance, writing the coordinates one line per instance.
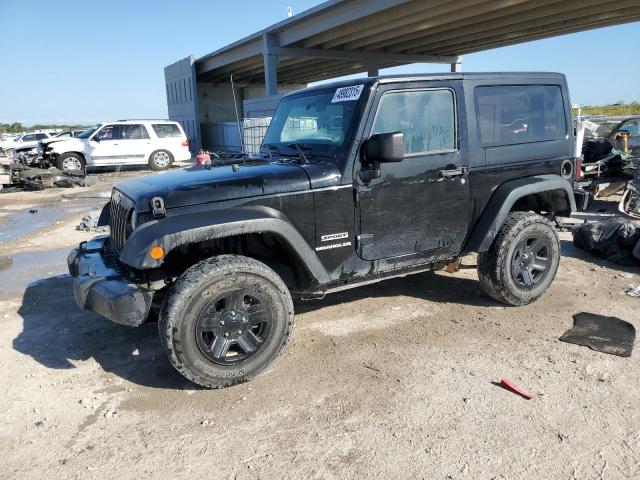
(346, 94)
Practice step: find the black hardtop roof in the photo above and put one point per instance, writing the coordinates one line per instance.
(516, 76)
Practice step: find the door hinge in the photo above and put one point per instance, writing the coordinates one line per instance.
(364, 239)
(360, 192)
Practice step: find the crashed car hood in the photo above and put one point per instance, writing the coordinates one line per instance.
(197, 185)
(48, 141)
(66, 144)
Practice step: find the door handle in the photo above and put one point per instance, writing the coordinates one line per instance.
(454, 172)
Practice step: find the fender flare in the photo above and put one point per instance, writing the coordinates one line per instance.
(174, 231)
(502, 201)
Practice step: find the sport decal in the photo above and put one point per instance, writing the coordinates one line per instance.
(334, 236)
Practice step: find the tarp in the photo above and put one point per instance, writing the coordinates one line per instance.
(614, 239)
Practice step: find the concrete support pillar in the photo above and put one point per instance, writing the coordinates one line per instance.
(271, 60)
(457, 67)
(372, 69)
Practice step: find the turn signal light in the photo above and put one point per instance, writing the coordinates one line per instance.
(578, 169)
(156, 252)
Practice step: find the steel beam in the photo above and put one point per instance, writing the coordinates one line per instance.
(366, 56)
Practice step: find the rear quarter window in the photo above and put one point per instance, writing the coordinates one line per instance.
(514, 114)
(166, 130)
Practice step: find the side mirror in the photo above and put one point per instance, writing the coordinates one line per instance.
(95, 138)
(385, 147)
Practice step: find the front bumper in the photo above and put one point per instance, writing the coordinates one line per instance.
(103, 289)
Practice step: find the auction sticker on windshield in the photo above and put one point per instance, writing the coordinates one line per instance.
(346, 94)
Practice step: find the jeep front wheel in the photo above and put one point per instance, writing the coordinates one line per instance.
(225, 320)
(522, 261)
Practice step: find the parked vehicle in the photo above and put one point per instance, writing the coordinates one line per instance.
(25, 140)
(358, 181)
(157, 143)
(69, 134)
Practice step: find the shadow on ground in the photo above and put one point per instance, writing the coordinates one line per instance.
(442, 288)
(56, 333)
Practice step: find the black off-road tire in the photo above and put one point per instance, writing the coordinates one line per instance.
(495, 265)
(160, 160)
(190, 295)
(68, 159)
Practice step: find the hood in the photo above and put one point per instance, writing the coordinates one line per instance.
(197, 185)
(51, 140)
(65, 144)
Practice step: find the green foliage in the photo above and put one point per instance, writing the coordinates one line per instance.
(615, 110)
(17, 127)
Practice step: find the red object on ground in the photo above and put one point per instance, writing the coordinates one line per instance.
(201, 158)
(510, 386)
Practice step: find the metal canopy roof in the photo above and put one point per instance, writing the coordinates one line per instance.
(341, 37)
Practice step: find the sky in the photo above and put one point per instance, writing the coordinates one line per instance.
(68, 61)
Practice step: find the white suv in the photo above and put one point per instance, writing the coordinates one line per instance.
(157, 143)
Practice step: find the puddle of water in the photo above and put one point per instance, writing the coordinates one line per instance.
(23, 223)
(26, 268)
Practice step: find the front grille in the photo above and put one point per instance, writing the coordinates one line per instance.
(119, 219)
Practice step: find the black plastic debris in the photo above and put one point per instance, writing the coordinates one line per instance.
(602, 334)
(614, 239)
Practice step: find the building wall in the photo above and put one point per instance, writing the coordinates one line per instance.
(182, 98)
(217, 113)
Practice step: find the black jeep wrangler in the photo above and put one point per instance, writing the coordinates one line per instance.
(355, 182)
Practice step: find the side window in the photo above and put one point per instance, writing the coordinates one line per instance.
(110, 132)
(134, 132)
(425, 117)
(165, 130)
(512, 114)
(40, 136)
(29, 138)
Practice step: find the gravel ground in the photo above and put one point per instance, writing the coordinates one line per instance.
(391, 380)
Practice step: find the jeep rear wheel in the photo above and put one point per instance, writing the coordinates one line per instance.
(225, 320)
(522, 261)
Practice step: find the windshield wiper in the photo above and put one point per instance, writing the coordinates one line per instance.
(299, 147)
(270, 146)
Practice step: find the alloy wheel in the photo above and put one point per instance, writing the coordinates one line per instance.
(530, 261)
(233, 326)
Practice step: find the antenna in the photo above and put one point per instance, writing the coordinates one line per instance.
(235, 105)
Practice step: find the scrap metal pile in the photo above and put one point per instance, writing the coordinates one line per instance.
(28, 175)
(610, 152)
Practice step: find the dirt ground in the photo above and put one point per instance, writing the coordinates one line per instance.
(391, 380)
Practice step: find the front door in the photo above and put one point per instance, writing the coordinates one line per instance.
(106, 146)
(420, 205)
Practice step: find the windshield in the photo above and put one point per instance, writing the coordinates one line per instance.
(317, 122)
(89, 131)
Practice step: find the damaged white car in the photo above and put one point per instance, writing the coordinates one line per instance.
(157, 143)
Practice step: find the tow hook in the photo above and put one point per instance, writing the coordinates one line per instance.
(157, 207)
